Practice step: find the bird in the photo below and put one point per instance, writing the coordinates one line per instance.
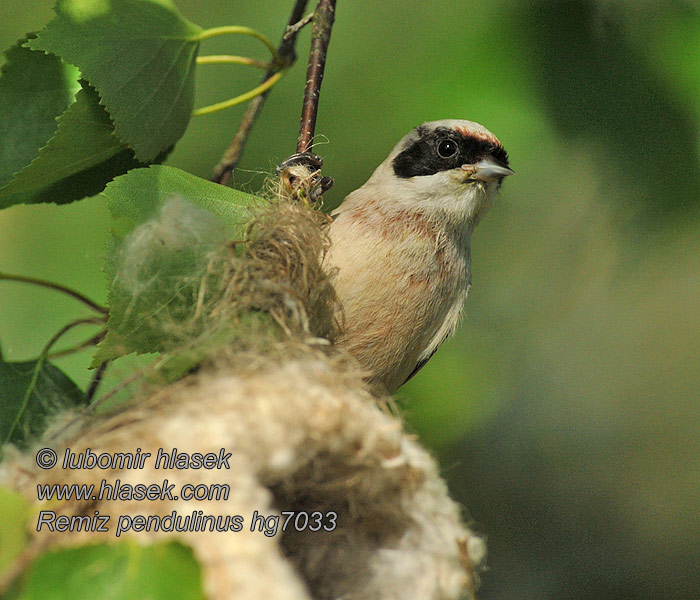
(400, 246)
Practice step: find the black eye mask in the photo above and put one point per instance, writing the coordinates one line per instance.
(423, 157)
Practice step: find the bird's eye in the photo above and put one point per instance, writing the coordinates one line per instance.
(447, 148)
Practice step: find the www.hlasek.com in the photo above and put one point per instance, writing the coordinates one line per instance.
(116, 490)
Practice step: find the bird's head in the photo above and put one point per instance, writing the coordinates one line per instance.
(449, 168)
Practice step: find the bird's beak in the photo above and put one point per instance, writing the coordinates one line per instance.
(488, 169)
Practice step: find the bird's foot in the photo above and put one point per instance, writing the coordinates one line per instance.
(300, 177)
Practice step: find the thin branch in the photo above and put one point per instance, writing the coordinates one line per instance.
(31, 388)
(55, 286)
(102, 399)
(89, 343)
(324, 15)
(95, 381)
(89, 395)
(66, 328)
(298, 26)
(285, 51)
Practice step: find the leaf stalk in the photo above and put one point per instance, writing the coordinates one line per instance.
(214, 59)
(256, 91)
(240, 30)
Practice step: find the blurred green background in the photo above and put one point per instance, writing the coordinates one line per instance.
(566, 411)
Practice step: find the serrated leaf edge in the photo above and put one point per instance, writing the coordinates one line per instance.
(116, 119)
(60, 120)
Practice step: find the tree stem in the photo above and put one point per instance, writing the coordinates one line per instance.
(59, 288)
(39, 365)
(95, 381)
(286, 53)
(324, 15)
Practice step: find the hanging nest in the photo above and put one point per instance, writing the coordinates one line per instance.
(304, 433)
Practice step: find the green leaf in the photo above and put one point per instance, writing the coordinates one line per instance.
(139, 194)
(162, 261)
(140, 56)
(57, 142)
(127, 571)
(78, 161)
(30, 392)
(35, 89)
(13, 526)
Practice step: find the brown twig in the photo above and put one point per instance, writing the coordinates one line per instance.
(95, 381)
(222, 171)
(324, 15)
(118, 388)
(59, 288)
(292, 30)
(93, 341)
(39, 364)
(66, 328)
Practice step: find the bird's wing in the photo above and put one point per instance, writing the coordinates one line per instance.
(422, 361)
(446, 330)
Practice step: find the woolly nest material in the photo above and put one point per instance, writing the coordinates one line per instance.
(305, 434)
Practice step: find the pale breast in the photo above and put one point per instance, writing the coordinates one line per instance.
(402, 282)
